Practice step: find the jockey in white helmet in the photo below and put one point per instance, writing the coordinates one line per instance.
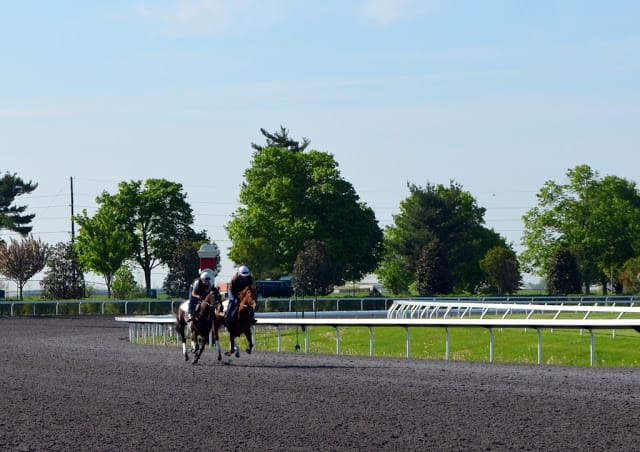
(240, 280)
(200, 289)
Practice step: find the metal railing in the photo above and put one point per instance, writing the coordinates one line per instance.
(87, 307)
(304, 306)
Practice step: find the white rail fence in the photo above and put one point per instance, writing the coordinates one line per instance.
(409, 314)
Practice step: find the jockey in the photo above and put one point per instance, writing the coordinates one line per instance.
(240, 280)
(199, 290)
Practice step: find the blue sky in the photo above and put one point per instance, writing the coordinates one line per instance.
(498, 95)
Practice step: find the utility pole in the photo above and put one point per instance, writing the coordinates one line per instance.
(73, 233)
(73, 237)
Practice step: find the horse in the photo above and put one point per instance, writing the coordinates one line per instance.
(241, 323)
(206, 315)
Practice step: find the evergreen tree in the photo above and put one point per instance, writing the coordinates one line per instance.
(433, 274)
(12, 217)
(281, 139)
(313, 270)
(564, 275)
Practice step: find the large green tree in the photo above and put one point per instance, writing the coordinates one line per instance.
(446, 213)
(12, 217)
(598, 218)
(158, 217)
(103, 243)
(292, 195)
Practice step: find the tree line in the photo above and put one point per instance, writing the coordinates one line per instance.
(298, 216)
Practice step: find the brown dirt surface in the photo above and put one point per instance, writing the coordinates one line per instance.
(78, 384)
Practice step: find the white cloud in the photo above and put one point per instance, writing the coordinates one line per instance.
(206, 17)
(387, 12)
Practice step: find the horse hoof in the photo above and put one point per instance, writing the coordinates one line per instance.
(186, 358)
(227, 353)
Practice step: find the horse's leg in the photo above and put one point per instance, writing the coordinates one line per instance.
(194, 340)
(249, 337)
(199, 349)
(216, 338)
(180, 325)
(232, 339)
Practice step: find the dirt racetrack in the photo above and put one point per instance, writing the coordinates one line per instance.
(78, 384)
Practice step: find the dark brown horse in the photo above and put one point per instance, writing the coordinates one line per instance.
(206, 316)
(241, 323)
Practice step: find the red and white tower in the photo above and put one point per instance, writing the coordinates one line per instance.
(209, 254)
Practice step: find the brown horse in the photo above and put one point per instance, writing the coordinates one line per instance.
(206, 315)
(241, 323)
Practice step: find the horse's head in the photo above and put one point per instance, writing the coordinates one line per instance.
(249, 296)
(207, 304)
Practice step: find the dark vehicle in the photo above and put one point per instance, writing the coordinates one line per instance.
(274, 288)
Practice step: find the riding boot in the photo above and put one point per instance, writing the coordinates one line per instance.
(231, 311)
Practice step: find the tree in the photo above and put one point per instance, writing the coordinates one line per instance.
(450, 215)
(564, 276)
(501, 266)
(156, 215)
(292, 196)
(124, 283)
(12, 217)
(20, 261)
(63, 279)
(630, 276)
(433, 275)
(394, 274)
(600, 216)
(103, 243)
(184, 266)
(313, 270)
